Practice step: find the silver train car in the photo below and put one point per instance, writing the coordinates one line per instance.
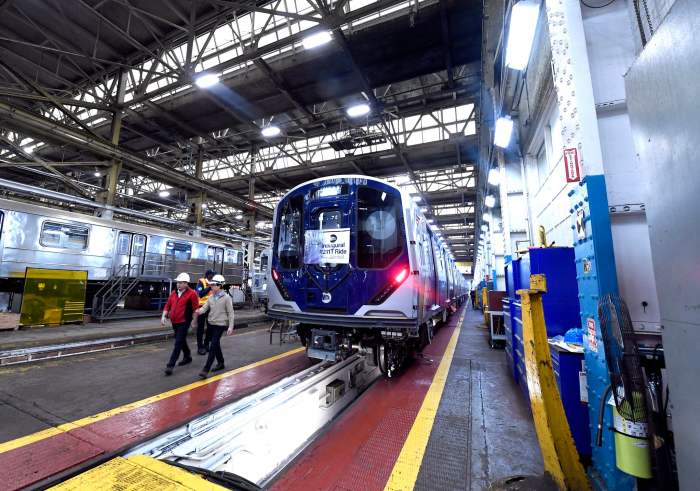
(40, 237)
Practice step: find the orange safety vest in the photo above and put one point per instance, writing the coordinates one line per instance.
(205, 283)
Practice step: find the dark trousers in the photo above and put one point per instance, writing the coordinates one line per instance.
(180, 331)
(215, 350)
(203, 335)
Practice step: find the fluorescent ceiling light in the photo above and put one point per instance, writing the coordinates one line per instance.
(204, 206)
(484, 228)
(417, 199)
(358, 110)
(164, 193)
(521, 33)
(271, 131)
(205, 80)
(29, 150)
(504, 130)
(238, 217)
(490, 201)
(316, 40)
(494, 177)
(486, 217)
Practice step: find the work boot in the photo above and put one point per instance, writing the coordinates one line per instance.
(168, 370)
(203, 374)
(218, 367)
(185, 362)
(201, 351)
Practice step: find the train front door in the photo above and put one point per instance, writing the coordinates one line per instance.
(131, 253)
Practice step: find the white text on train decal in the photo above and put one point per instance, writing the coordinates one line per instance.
(327, 246)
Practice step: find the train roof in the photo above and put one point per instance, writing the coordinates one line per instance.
(343, 176)
(76, 216)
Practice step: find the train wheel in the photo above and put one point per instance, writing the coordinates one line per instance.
(390, 358)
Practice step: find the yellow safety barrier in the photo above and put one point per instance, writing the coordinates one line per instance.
(559, 453)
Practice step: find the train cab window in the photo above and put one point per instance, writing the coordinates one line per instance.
(380, 233)
(182, 251)
(289, 234)
(64, 236)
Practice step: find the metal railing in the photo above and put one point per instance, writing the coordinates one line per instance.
(107, 298)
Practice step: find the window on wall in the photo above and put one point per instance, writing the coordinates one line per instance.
(64, 236)
(542, 164)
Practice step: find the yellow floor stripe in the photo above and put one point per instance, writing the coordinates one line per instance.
(49, 432)
(405, 472)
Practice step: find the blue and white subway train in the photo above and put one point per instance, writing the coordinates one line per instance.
(355, 262)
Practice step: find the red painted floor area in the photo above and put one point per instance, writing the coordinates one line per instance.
(359, 451)
(31, 463)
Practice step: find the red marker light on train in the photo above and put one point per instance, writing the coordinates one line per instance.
(401, 276)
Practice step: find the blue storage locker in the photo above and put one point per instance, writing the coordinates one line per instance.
(560, 303)
(567, 366)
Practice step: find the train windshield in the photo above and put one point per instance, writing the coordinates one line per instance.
(379, 227)
(289, 234)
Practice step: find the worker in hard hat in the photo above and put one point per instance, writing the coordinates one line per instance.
(220, 309)
(204, 292)
(180, 308)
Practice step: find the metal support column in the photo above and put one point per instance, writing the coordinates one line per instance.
(112, 177)
(249, 255)
(196, 204)
(595, 259)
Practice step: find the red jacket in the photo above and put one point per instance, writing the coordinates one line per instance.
(182, 308)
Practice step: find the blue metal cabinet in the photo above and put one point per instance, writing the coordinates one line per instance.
(567, 366)
(560, 303)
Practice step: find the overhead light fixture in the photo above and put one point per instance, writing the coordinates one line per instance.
(316, 40)
(494, 177)
(417, 199)
(484, 228)
(430, 220)
(271, 131)
(424, 210)
(204, 206)
(205, 80)
(504, 130)
(486, 217)
(358, 110)
(29, 150)
(239, 216)
(490, 201)
(164, 193)
(521, 33)
(98, 173)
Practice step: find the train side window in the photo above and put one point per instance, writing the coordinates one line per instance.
(380, 233)
(182, 251)
(64, 236)
(289, 234)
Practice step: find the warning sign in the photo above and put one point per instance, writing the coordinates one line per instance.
(573, 171)
(327, 246)
(592, 339)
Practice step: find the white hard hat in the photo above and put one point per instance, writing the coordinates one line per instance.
(218, 279)
(183, 277)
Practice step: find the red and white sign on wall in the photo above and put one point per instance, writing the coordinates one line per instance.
(573, 170)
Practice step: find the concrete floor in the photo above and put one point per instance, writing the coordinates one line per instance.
(502, 433)
(37, 396)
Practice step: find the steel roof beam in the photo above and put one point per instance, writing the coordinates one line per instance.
(146, 166)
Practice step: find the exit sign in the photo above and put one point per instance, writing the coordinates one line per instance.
(571, 163)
